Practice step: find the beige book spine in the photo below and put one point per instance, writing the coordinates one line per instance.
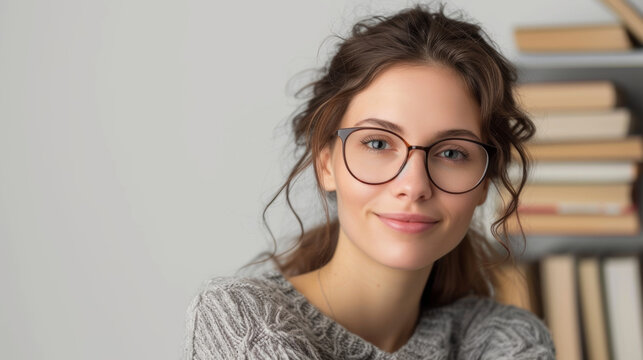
(545, 194)
(630, 148)
(559, 305)
(593, 309)
(609, 37)
(630, 16)
(591, 225)
(566, 96)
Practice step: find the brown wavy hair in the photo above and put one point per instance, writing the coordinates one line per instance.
(412, 36)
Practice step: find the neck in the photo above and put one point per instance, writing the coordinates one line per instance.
(380, 304)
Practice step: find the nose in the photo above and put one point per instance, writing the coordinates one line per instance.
(413, 182)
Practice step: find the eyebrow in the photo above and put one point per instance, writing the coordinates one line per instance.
(457, 133)
(396, 128)
(383, 123)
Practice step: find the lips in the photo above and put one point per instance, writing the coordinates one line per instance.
(407, 223)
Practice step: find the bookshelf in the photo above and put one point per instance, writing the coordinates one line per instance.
(630, 59)
(625, 69)
(596, 280)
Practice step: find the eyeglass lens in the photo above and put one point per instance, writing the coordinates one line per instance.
(376, 156)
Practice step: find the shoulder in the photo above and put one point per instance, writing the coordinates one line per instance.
(246, 293)
(234, 303)
(239, 316)
(491, 330)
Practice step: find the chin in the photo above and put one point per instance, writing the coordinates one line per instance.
(412, 255)
(405, 258)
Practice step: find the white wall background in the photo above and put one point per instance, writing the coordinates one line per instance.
(139, 141)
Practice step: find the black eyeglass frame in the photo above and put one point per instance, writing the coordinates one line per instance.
(343, 134)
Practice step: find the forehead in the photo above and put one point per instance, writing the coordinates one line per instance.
(421, 99)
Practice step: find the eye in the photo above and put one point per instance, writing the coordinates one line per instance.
(376, 144)
(452, 154)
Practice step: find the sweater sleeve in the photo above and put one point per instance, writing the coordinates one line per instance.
(506, 332)
(239, 321)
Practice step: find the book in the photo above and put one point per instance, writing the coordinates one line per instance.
(630, 148)
(592, 308)
(622, 279)
(575, 38)
(577, 224)
(631, 17)
(567, 96)
(576, 209)
(577, 194)
(558, 277)
(518, 286)
(577, 198)
(569, 172)
(581, 125)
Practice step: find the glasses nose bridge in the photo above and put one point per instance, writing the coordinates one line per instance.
(410, 152)
(416, 147)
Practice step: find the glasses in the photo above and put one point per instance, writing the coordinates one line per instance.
(375, 156)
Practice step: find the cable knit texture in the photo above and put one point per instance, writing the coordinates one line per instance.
(265, 317)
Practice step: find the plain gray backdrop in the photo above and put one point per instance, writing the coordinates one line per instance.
(139, 141)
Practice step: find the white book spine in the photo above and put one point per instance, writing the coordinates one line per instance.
(574, 126)
(623, 297)
(579, 172)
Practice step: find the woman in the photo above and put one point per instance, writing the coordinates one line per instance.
(410, 123)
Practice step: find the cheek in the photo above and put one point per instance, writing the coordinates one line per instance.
(353, 196)
(459, 209)
(355, 201)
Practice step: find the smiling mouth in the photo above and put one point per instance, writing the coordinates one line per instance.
(408, 223)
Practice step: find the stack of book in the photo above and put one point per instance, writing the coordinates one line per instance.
(585, 38)
(584, 162)
(583, 183)
(592, 305)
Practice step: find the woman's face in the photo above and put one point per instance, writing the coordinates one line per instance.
(422, 103)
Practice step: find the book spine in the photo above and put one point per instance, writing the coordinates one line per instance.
(578, 208)
(628, 149)
(590, 225)
(592, 308)
(572, 38)
(580, 172)
(623, 295)
(560, 305)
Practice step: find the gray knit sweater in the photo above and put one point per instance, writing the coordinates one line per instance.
(265, 317)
